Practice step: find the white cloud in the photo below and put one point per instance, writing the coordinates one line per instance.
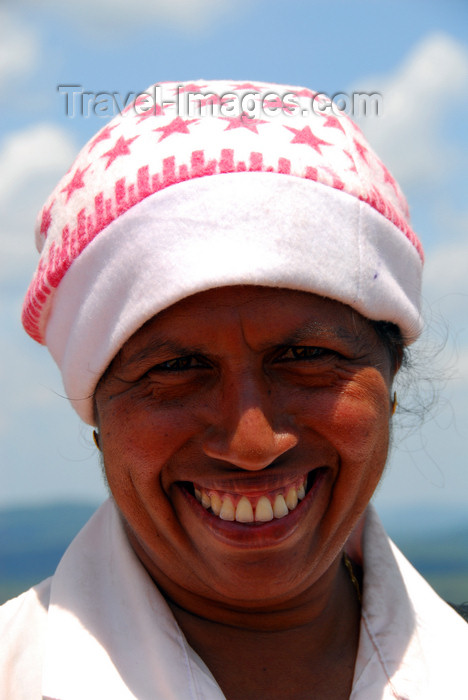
(119, 14)
(447, 270)
(426, 156)
(409, 136)
(19, 48)
(36, 151)
(445, 292)
(412, 138)
(31, 162)
(41, 438)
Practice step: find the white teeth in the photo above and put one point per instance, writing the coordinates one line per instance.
(244, 511)
(205, 500)
(223, 505)
(263, 511)
(227, 511)
(216, 503)
(291, 498)
(280, 509)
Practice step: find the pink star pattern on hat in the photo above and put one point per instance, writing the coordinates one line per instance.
(120, 148)
(190, 87)
(278, 103)
(76, 183)
(333, 123)
(103, 135)
(361, 149)
(243, 121)
(141, 152)
(176, 126)
(154, 110)
(305, 92)
(305, 136)
(46, 220)
(245, 86)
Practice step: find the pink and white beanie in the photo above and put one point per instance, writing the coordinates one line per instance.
(207, 184)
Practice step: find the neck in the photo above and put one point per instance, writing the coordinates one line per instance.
(307, 644)
(320, 606)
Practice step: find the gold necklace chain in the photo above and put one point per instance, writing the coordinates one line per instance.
(355, 582)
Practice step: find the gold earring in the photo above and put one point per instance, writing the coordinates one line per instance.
(96, 440)
(394, 403)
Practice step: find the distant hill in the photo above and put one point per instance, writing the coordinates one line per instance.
(423, 519)
(33, 539)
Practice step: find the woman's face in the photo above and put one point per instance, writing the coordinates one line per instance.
(243, 432)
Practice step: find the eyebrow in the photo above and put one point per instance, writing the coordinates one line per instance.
(161, 346)
(171, 348)
(314, 329)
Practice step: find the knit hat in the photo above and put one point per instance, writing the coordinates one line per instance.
(207, 184)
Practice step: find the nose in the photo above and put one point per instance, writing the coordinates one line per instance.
(249, 431)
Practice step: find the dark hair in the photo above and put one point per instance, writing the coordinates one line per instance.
(423, 371)
(391, 337)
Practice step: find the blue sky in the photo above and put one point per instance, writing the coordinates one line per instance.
(414, 53)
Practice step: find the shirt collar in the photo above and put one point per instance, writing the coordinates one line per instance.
(110, 633)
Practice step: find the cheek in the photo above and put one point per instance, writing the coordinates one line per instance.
(352, 416)
(135, 452)
(139, 439)
(360, 425)
(361, 430)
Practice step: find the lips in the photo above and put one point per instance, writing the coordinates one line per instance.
(259, 507)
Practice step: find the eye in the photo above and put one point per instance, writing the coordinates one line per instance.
(304, 352)
(180, 364)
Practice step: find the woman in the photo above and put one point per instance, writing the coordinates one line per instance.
(229, 299)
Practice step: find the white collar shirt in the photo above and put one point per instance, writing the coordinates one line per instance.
(99, 628)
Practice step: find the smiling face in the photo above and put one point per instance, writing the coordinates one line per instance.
(243, 432)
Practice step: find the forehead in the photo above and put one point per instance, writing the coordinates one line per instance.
(261, 314)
